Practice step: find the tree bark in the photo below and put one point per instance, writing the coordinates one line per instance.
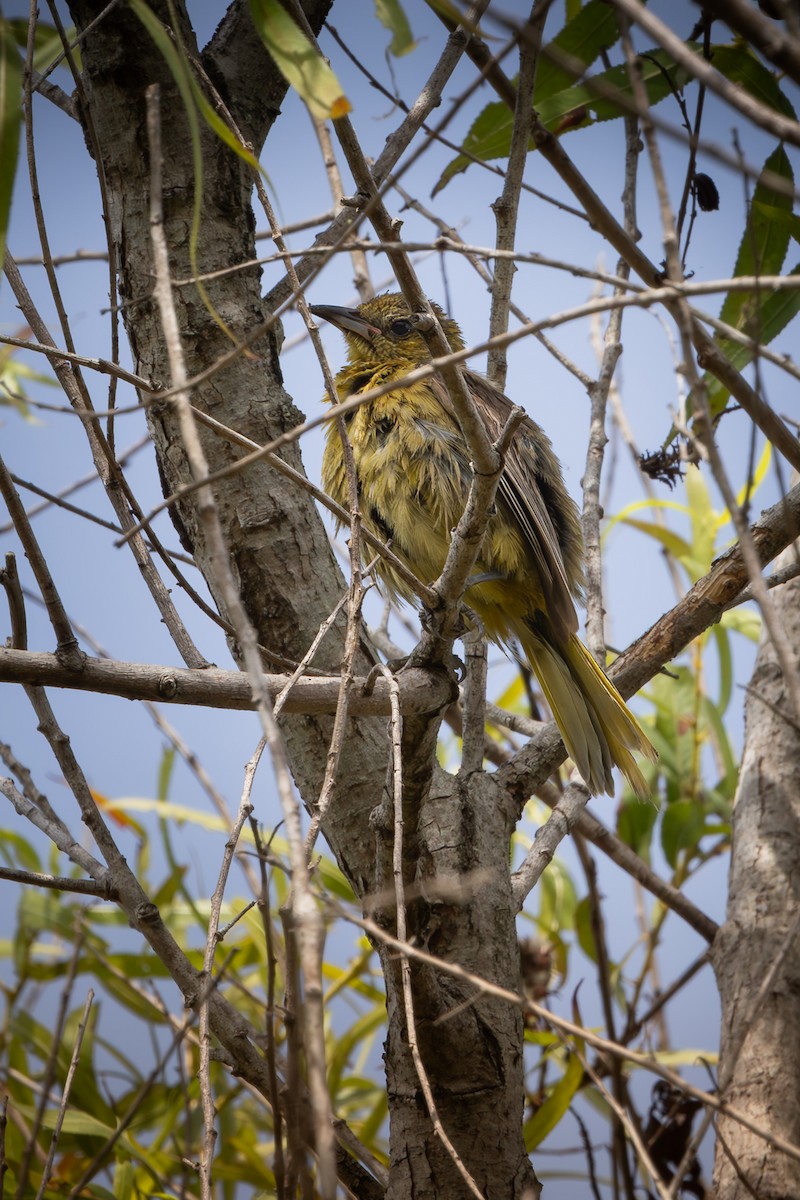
(756, 954)
(458, 831)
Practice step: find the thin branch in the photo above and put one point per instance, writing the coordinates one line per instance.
(506, 207)
(570, 1028)
(737, 97)
(48, 1076)
(306, 915)
(217, 688)
(58, 883)
(67, 648)
(120, 497)
(73, 1066)
(405, 965)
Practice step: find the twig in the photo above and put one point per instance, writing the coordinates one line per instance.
(565, 817)
(633, 1028)
(738, 98)
(73, 1066)
(621, 1107)
(570, 1028)
(305, 912)
(429, 97)
(204, 1035)
(67, 648)
(48, 1075)
(625, 1123)
(102, 365)
(405, 966)
(525, 878)
(279, 1165)
(121, 498)
(58, 883)
(506, 207)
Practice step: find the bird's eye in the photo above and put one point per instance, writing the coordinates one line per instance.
(401, 328)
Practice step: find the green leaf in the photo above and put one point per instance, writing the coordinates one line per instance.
(46, 42)
(10, 117)
(635, 822)
(300, 63)
(548, 1115)
(24, 855)
(738, 64)
(584, 929)
(765, 241)
(123, 1181)
(660, 74)
(769, 312)
(682, 827)
(761, 313)
(703, 519)
(568, 108)
(390, 14)
(677, 546)
(725, 666)
(744, 620)
(720, 798)
(165, 772)
(557, 900)
(593, 29)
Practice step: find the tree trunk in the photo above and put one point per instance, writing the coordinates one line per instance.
(757, 952)
(290, 583)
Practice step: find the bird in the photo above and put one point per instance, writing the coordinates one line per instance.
(413, 473)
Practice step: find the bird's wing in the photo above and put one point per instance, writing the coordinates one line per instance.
(521, 491)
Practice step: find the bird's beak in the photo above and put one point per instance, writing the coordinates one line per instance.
(349, 320)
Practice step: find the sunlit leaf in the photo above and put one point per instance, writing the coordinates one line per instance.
(593, 29)
(390, 13)
(678, 547)
(548, 1115)
(703, 519)
(748, 490)
(743, 620)
(727, 762)
(557, 900)
(300, 63)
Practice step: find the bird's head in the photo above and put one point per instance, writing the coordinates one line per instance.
(383, 330)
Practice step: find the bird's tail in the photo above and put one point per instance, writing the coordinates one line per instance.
(598, 728)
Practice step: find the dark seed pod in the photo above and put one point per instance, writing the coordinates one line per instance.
(706, 192)
(665, 465)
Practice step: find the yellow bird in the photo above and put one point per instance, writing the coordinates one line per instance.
(413, 471)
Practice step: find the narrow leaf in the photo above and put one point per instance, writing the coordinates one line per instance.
(298, 61)
(545, 1119)
(390, 14)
